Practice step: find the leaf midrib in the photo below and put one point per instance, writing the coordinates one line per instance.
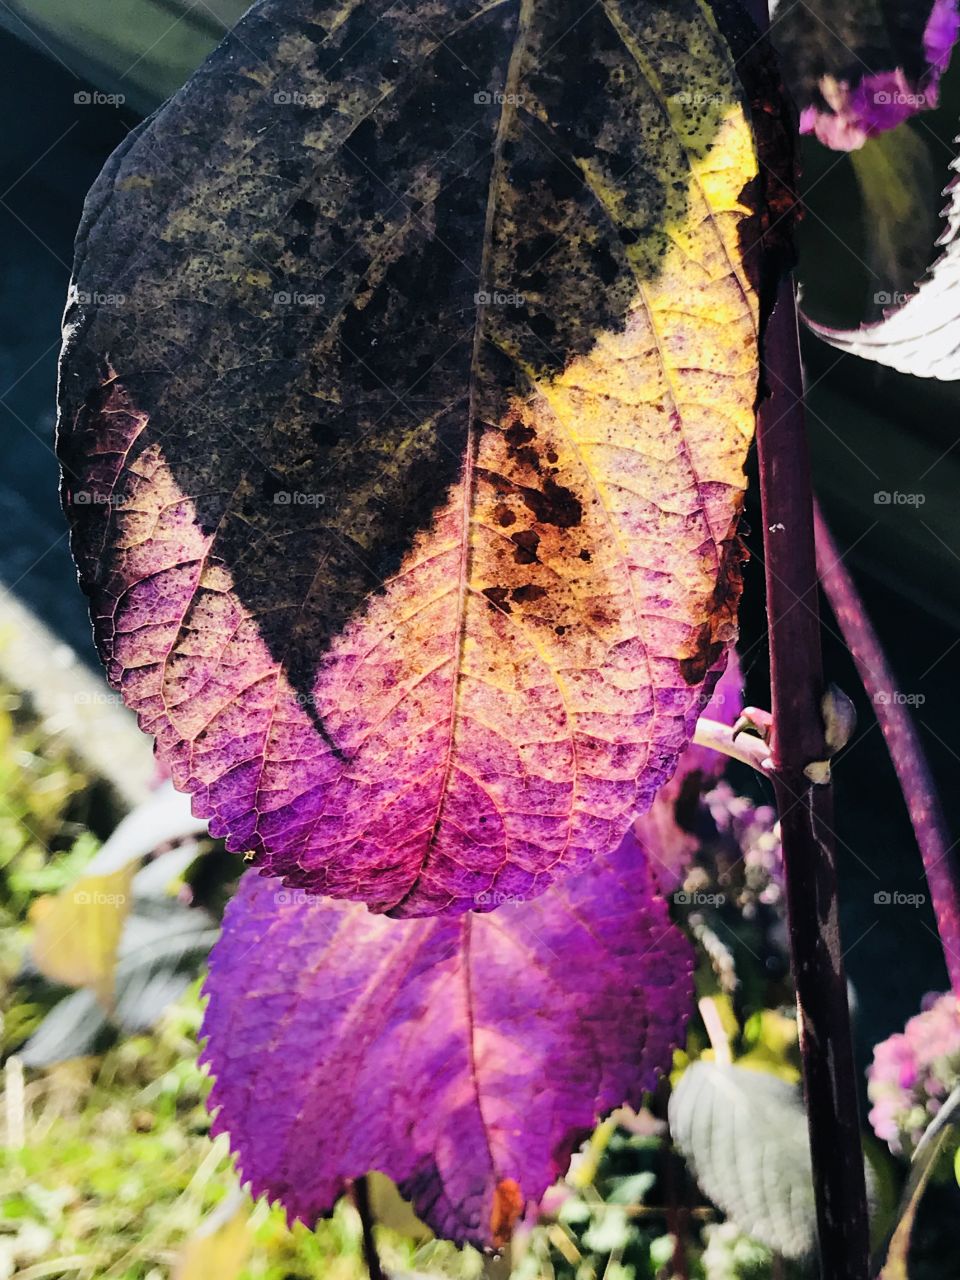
(508, 111)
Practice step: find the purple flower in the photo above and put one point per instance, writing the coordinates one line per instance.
(941, 33)
(852, 112)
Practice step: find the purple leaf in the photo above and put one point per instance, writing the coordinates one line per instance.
(465, 1058)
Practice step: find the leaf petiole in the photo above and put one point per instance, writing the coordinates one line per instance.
(745, 747)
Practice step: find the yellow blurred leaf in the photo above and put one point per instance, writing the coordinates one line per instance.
(389, 1209)
(772, 1040)
(901, 196)
(77, 931)
(220, 1247)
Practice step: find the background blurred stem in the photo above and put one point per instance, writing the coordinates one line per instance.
(903, 743)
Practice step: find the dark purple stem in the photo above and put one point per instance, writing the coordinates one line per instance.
(360, 1195)
(806, 808)
(903, 744)
(798, 741)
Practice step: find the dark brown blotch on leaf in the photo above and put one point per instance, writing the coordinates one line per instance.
(528, 593)
(497, 597)
(716, 633)
(526, 542)
(554, 504)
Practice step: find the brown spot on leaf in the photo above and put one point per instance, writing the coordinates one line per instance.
(505, 517)
(498, 598)
(518, 437)
(720, 628)
(526, 542)
(524, 595)
(519, 434)
(729, 587)
(554, 504)
(695, 667)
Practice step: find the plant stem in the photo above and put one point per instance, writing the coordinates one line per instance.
(678, 1214)
(903, 744)
(716, 1034)
(806, 808)
(798, 738)
(360, 1195)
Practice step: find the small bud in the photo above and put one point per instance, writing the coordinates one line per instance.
(839, 718)
(818, 772)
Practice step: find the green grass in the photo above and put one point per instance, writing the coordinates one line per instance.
(117, 1173)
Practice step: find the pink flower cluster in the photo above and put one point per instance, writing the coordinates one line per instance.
(913, 1072)
(753, 834)
(882, 100)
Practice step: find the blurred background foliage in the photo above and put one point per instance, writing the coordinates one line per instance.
(107, 1169)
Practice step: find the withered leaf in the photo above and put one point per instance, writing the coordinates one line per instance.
(409, 374)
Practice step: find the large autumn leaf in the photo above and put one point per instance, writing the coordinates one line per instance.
(465, 1057)
(409, 374)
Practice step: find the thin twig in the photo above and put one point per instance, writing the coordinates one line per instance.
(360, 1195)
(716, 1032)
(15, 1104)
(677, 1213)
(903, 743)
